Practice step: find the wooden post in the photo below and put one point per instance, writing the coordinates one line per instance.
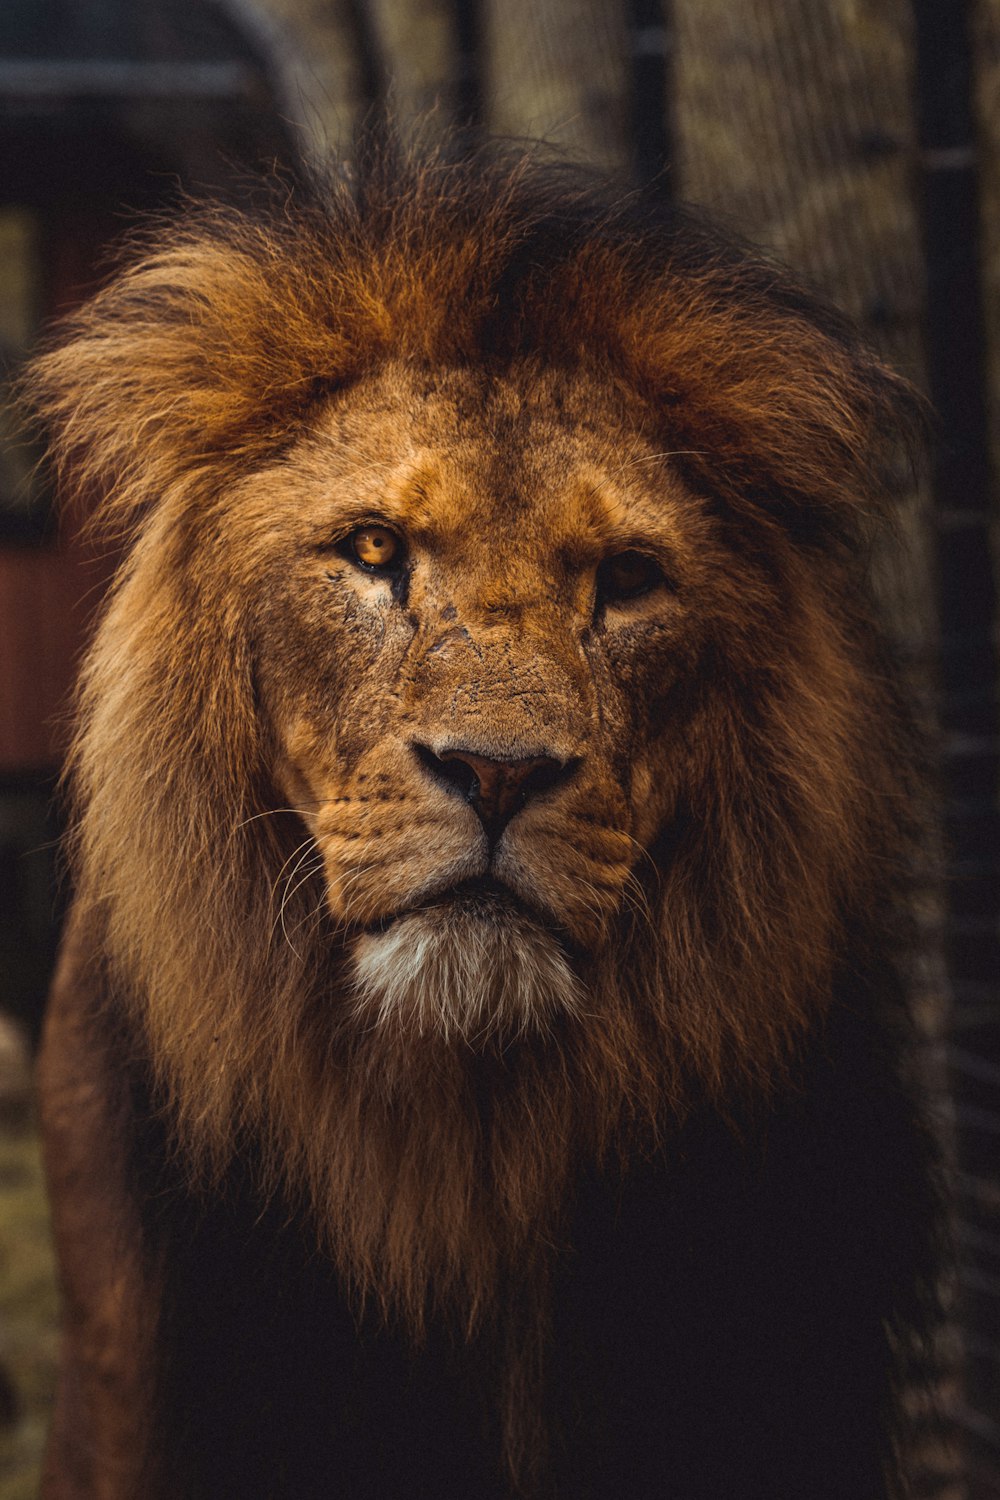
(649, 47)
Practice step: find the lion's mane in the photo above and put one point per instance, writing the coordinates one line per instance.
(785, 863)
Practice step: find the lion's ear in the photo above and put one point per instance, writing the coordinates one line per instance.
(199, 354)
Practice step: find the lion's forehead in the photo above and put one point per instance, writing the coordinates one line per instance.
(527, 464)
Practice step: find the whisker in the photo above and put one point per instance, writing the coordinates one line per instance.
(312, 920)
(269, 812)
(305, 844)
(274, 812)
(311, 870)
(299, 855)
(638, 900)
(648, 458)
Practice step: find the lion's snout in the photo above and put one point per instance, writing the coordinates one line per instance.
(496, 788)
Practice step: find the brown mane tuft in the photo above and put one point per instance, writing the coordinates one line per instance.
(223, 329)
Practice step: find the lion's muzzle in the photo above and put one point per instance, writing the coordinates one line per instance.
(495, 789)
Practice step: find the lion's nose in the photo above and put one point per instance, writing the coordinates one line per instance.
(497, 789)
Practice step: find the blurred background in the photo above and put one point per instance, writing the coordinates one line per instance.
(858, 139)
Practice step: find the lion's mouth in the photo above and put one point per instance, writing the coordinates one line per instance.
(483, 898)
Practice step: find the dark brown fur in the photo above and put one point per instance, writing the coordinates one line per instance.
(522, 380)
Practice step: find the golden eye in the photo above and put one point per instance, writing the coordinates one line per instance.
(626, 575)
(375, 546)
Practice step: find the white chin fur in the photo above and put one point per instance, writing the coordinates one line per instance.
(461, 973)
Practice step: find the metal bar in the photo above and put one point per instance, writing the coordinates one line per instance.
(468, 67)
(27, 81)
(371, 64)
(649, 46)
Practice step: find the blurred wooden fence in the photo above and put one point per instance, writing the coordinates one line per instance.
(860, 139)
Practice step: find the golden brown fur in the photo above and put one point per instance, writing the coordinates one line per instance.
(522, 383)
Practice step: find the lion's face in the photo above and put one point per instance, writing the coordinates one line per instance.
(474, 611)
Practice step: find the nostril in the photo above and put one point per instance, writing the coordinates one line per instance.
(453, 771)
(547, 773)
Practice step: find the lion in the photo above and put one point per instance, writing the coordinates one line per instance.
(479, 1062)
